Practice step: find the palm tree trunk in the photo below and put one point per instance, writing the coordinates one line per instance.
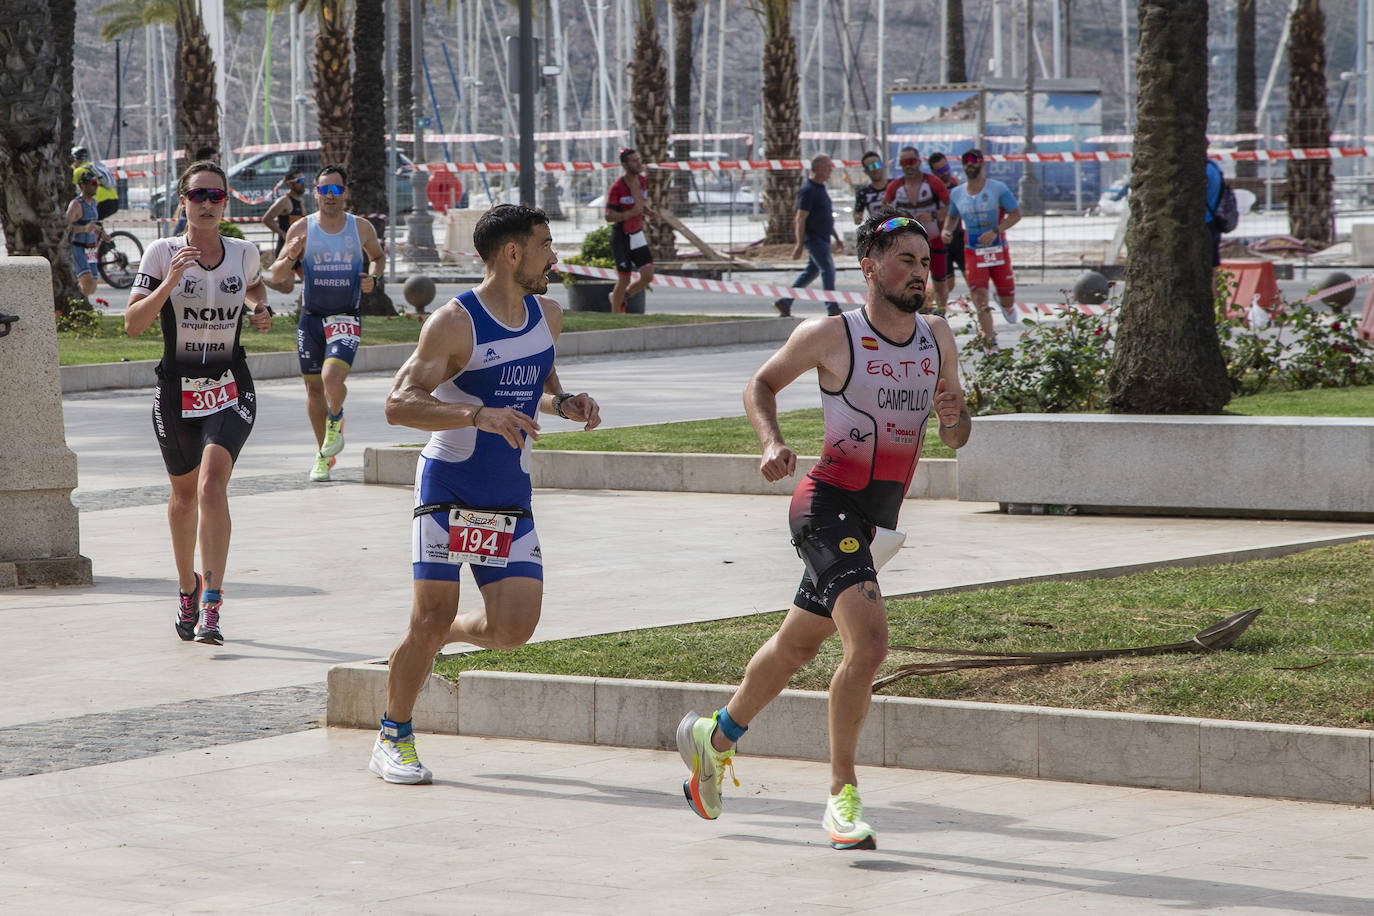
(63, 13)
(367, 165)
(649, 108)
(781, 117)
(1167, 357)
(1309, 125)
(405, 97)
(333, 88)
(684, 12)
(1247, 173)
(957, 69)
(32, 165)
(197, 107)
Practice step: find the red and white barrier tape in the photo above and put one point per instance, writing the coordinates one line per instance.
(1338, 288)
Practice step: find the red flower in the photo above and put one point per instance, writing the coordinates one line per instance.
(1335, 325)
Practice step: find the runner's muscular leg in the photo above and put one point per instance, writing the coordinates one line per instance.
(861, 618)
(213, 496)
(183, 513)
(646, 276)
(315, 407)
(619, 291)
(333, 380)
(984, 310)
(510, 612)
(432, 610)
(796, 643)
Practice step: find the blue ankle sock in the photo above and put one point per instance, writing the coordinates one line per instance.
(210, 596)
(728, 727)
(395, 731)
(337, 416)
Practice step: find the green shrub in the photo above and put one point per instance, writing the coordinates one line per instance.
(229, 230)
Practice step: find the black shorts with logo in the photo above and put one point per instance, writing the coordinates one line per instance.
(628, 259)
(832, 538)
(183, 439)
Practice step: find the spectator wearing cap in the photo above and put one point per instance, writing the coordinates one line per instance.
(627, 203)
(82, 217)
(987, 209)
(813, 227)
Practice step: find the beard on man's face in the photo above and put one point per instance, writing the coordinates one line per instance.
(971, 170)
(534, 282)
(908, 299)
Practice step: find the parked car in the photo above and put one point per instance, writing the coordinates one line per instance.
(259, 178)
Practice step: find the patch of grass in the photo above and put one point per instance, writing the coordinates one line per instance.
(725, 436)
(110, 345)
(1313, 402)
(1317, 611)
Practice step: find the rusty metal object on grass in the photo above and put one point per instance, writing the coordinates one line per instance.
(1220, 635)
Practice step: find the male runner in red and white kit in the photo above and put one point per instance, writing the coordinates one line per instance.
(925, 197)
(882, 370)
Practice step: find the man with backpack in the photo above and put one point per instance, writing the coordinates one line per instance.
(1222, 214)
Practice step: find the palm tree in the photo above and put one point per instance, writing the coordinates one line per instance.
(684, 13)
(32, 164)
(649, 107)
(1167, 357)
(956, 71)
(781, 115)
(1309, 125)
(367, 165)
(1246, 172)
(197, 109)
(333, 80)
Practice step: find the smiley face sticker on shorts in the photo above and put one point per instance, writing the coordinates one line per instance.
(849, 545)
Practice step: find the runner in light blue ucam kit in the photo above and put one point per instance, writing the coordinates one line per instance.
(481, 373)
(334, 249)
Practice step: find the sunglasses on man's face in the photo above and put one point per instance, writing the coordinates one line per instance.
(909, 161)
(972, 161)
(201, 195)
(329, 190)
(873, 166)
(942, 170)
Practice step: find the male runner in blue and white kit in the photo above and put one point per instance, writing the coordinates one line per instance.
(882, 370)
(482, 370)
(333, 247)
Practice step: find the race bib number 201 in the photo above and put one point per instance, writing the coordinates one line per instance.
(480, 537)
(201, 397)
(344, 328)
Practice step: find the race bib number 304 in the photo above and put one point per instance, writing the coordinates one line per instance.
(201, 397)
(344, 328)
(480, 537)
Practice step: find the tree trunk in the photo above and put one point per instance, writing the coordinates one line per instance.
(1309, 125)
(1247, 173)
(197, 109)
(63, 13)
(32, 165)
(781, 118)
(1168, 358)
(958, 72)
(333, 88)
(405, 98)
(684, 14)
(649, 108)
(367, 163)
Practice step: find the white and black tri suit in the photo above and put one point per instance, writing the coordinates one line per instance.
(204, 390)
(874, 428)
(479, 470)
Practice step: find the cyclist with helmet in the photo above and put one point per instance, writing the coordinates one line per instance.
(106, 196)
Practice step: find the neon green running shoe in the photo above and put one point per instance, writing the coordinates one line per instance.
(844, 818)
(333, 437)
(707, 764)
(320, 472)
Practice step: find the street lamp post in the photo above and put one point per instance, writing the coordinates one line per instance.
(420, 246)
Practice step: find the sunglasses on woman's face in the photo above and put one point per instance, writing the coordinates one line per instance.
(329, 190)
(201, 195)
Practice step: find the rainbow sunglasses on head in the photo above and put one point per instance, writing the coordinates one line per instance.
(897, 222)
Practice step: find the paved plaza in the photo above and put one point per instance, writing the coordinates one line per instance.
(140, 774)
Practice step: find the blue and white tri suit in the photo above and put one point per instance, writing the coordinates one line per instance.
(479, 469)
(332, 265)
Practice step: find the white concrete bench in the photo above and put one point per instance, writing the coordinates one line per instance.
(1215, 465)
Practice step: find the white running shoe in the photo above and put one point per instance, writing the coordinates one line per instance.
(1009, 314)
(397, 762)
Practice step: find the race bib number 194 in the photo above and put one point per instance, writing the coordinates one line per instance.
(201, 397)
(480, 537)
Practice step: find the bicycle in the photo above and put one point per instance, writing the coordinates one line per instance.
(117, 256)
